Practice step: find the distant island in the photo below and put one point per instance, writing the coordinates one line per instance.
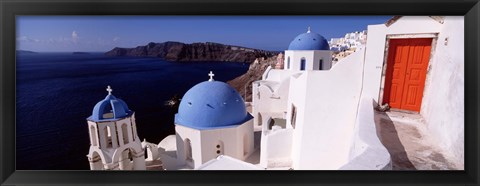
(75, 53)
(26, 52)
(181, 52)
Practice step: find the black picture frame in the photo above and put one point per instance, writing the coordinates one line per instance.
(10, 8)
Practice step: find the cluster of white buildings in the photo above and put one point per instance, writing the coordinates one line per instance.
(305, 113)
(350, 40)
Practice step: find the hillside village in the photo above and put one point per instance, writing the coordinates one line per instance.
(395, 103)
(344, 46)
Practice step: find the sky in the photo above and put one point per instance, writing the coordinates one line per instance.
(103, 33)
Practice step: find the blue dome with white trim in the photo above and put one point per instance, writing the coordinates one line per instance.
(110, 109)
(211, 104)
(309, 41)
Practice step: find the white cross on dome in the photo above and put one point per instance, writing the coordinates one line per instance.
(211, 76)
(109, 90)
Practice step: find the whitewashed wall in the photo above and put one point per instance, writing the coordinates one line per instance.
(443, 103)
(297, 83)
(276, 148)
(367, 152)
(322, 137)
(204, 142)
(232, 139)
(167, 149)
(270, 95)
(182, 133)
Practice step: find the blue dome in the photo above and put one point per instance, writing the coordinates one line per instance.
(211, 104)
(110, 109)
(309, 41)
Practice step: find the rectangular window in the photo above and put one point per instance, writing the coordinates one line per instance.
(288, 62)
(302, 64)
(320, 64)
(293, 118)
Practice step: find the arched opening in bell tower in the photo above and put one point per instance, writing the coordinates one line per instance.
(93, 136)
(125, 133)
(96, 162)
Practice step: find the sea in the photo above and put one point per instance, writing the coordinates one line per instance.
(56, 92)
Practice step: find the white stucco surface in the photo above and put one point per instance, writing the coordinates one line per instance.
(270, 95)
(326, 113)
(367, 152)
(168, 143)
(207, 144)
(167, 149)
(223, 162)
(444, 102)
(276, 148)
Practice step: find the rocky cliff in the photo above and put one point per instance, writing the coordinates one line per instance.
(243, 83)
(176, 51)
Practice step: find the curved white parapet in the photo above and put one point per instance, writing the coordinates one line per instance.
(265, 74)
(367, 152)
(167, 150)
(168, 143)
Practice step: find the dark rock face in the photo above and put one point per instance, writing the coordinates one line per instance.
(243, 83)
(176, 51)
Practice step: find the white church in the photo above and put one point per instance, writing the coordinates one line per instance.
(305, 113)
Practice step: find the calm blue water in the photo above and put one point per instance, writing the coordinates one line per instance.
(56, 92)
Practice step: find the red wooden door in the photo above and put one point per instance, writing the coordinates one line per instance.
(407, 64)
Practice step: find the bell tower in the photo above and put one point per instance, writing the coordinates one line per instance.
(308, 52)
(114, 143)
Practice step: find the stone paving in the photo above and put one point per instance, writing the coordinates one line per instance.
(405, 136)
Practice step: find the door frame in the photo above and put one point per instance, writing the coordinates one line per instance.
(433, 36)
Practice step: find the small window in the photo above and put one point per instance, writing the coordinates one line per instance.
(245, 145)
(302, 63)
(288, 62)
(293, 118)
(219, 147)
(188, 149)
(320, 65)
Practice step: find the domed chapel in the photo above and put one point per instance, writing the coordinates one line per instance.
(212, 120)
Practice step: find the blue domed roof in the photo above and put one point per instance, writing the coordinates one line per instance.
(109, 109)
(211, 104)
(309, 41)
